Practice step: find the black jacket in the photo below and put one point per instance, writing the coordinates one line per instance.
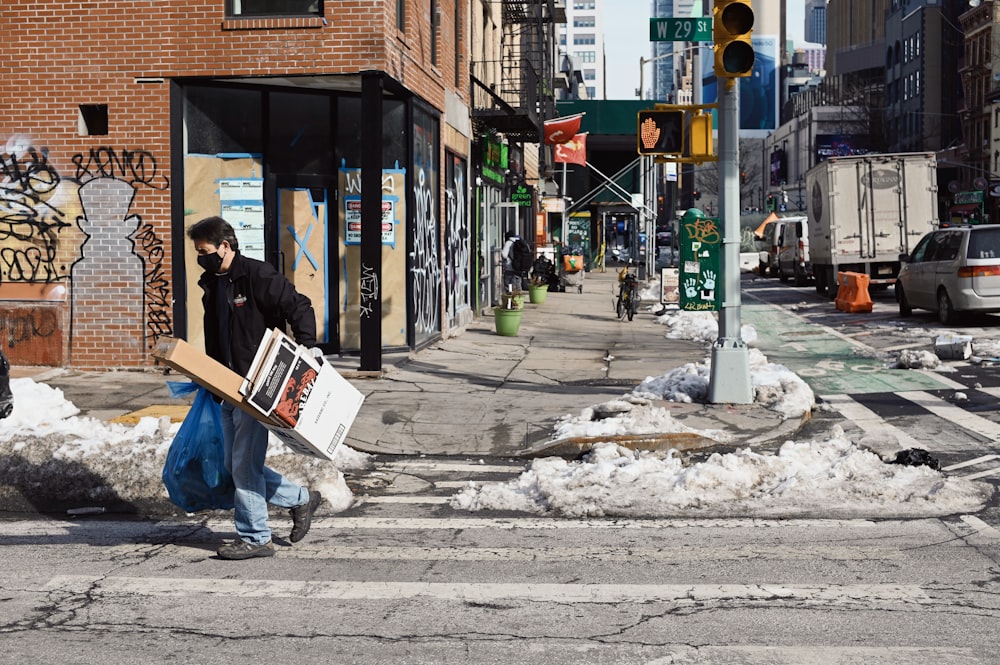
(260, 298)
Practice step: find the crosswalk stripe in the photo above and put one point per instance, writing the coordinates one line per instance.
(869, 421)
(845, 594)
(982, 528)
(542, 523)
(952, 413)
(516, 554)
(406, 499)
(971, 462)
(436, 465)
(982, 474)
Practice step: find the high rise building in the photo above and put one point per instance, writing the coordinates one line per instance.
(815, 28)
(665, 74)
(582, 38)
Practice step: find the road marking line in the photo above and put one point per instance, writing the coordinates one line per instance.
(995, 392)
(982, 474)
(624, 553)
(543, 523)
(406, 499)
(406, 467)
(981, 527)
(954, 414)
(971, 462)
(848, 594)
(869, 421)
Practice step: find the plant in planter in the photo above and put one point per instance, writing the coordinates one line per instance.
(507, 316)
(538, 290)
(512, 299)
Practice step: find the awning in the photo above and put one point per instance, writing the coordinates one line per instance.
(965, 208)
(759, 231)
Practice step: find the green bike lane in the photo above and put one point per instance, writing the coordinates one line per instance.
(829, 363)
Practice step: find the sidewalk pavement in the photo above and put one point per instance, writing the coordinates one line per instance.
(478, 393)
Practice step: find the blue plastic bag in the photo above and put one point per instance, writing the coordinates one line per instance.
(195, 473)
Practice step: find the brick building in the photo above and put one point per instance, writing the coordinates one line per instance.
(122, 124)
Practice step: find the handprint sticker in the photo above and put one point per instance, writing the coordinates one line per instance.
(691, 287)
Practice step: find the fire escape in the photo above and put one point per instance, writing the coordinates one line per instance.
(516, 95)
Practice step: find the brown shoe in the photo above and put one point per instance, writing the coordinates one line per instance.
(241, 549)
(302, 517)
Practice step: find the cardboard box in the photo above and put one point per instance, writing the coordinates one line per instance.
(325, 412)
(953, 347)
(208, 372)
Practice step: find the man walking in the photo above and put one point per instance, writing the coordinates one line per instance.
(243, 298)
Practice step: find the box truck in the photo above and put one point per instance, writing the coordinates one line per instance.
(866, 210)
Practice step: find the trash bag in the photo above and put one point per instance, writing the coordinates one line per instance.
(916, 457)
(195, 473)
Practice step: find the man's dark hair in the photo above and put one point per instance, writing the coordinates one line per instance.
(213, 230)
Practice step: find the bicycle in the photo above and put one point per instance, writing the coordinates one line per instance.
(627, 303)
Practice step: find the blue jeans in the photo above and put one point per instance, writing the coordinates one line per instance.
(245, 441)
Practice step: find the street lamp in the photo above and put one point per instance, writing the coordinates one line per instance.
(696, 80)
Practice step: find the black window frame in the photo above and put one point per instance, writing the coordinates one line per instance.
(231, 13)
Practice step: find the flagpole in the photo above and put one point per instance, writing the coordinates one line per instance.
(563, 237)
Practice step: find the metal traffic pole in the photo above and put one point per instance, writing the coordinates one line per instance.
(729, 380)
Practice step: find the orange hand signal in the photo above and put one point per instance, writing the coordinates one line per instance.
(649, 133)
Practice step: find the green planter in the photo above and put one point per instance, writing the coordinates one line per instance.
(508, 321)
(537, 294)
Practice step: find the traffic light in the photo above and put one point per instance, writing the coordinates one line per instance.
(701, 135)
(661, 132)
(731, 26)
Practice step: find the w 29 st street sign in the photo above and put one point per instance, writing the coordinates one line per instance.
(680, 29)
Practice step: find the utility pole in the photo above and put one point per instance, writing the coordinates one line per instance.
(729, 380)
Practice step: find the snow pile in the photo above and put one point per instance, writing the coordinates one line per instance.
(699, 326)
(831, 477)
(775, 386)
(913, 359)
(632, 414)
(49, 453)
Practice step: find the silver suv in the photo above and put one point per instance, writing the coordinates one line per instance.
(950, 271)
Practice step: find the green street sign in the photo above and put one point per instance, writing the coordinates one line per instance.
(680, 29)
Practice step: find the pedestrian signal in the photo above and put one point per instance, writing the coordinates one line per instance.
(732, 24)
(661, 132)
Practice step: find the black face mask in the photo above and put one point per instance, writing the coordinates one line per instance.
(211, 262)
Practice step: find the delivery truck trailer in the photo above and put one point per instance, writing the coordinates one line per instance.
(866, 210)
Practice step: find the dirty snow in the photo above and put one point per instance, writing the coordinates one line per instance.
(46, 447)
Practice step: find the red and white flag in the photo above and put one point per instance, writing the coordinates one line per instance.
(560, 130)
(573, 151)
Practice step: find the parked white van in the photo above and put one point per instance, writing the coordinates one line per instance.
(768, 237)
(793, 252)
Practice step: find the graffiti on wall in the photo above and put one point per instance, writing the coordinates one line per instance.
(369, 290)
(426, 270)
(136, 167)
(425, 260)
(458, 266)
(25, 324)
(31, 218)
(112, 260)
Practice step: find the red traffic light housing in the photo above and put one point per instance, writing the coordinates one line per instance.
(732, 26)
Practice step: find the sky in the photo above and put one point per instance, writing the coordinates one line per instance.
(831, 475)
(626, 39)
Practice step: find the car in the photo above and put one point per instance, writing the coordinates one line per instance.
(951, 271)
(793, 252)
(665, 236)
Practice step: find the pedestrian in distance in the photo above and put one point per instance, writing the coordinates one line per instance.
(517, 261)
(243, 298)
